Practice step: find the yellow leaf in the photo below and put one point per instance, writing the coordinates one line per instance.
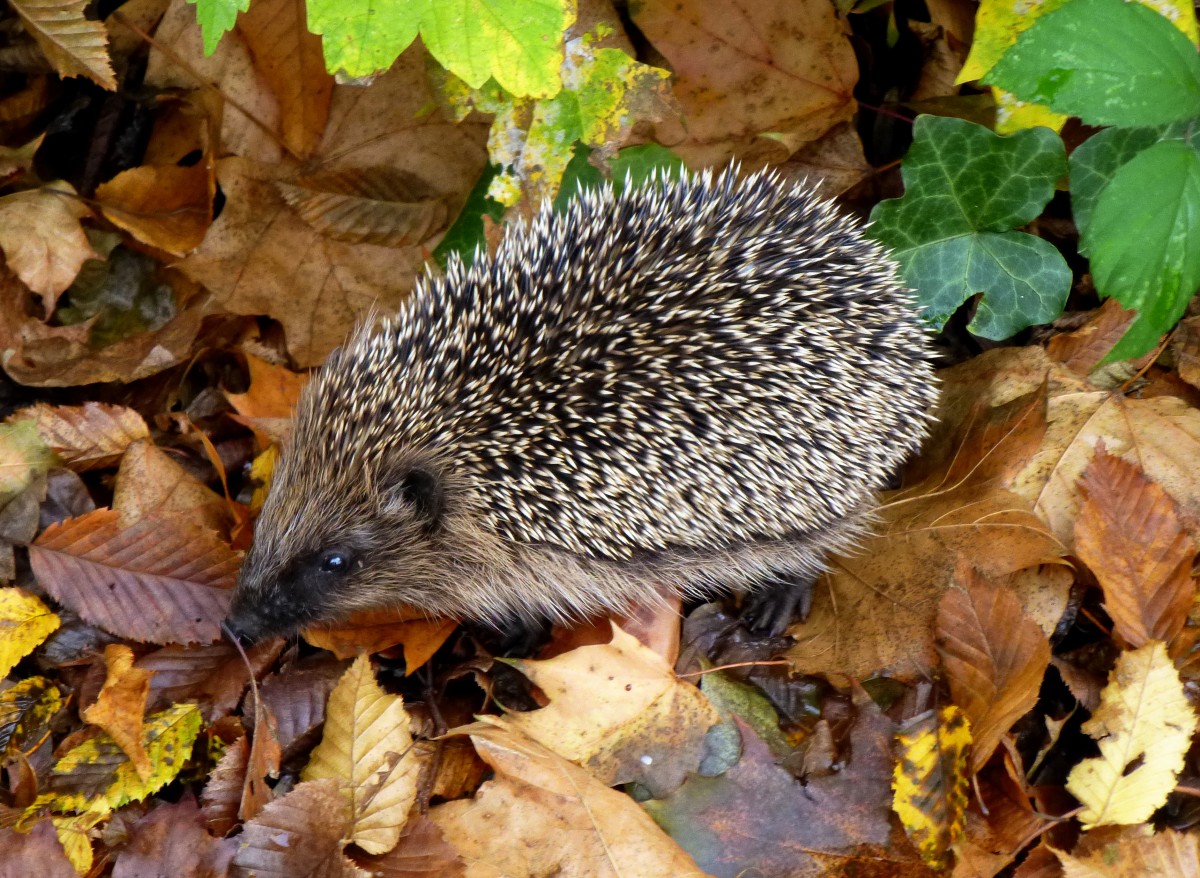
(366, 746)
(119, 706)
(1144, 726)
(25, 712)
(930, 781)
(73, 835)
(24, 623)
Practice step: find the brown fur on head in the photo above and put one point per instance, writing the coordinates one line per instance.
(390, 531)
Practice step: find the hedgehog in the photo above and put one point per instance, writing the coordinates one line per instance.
(692, 385)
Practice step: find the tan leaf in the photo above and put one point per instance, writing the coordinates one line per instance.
(290, 59)
(24, 623)
(801, 78)
(156, 580)
(367, 747)
(542, 815)
(43, 242)
(272, 393)
(119, 707)
(299, 834)
(1130, 534)
(619, 710)
(995, 658)
(381, 206)
(88, 436)
(164, 206)
(73, 43)
(1144, 727)
(151, 484)
(1135, 854)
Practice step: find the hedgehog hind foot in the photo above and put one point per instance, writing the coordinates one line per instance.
(778, 601)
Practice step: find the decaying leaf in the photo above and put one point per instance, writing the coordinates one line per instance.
(995, 658)
(299, 834)
(24, 623)
(26, 709)
(367, 748)
(154, 580)
(1144, 726)
(1130, 534)
(931, 780)
(619, 710)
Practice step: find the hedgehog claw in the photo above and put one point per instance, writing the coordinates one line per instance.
(777, 602)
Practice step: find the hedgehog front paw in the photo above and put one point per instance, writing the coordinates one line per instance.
(778, 601)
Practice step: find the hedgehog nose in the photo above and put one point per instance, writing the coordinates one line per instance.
(241, 631)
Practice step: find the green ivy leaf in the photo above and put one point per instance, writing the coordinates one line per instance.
(965, 190)
(1144, 241)
(1108, 62)
(217, 17)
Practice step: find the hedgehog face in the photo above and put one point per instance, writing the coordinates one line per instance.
(322, 551)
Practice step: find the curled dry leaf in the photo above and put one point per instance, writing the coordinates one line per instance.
(1130, 534)
(368, 749)
(619, 710)
(519, 821)
(119, 707)
(222, 796)
(373, 631)
(88, 436)
(168, 207)
(994, 655)
(156, 580)
(1144, 727)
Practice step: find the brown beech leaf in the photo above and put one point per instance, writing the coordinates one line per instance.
(421, 851)
(289, 58)
(171, 842)
(37, 852)
(212, 675)
(221, 798)
(165, 206)
(121, 703)
(383, 206)
(296, 697)
(156, 580)
(994, 656)
(298, 834)
(43, 242)
(1129, 534)
(88, 436)
(1082, 350)
(262, 763)
(73, 43)
(736, 83)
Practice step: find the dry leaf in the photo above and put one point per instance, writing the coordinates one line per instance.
(1135, 854)
(36, 852)
(1144, 727)
(1130, 534)
(156, 580)
(618, 710)
(168, 207)
(73, 43)
(299, 834)
(520, 821)
(372, 631)
(88, 436)
(995, 658)
(43, 242)
(368, 749)
(119, 707)
(171, 842)
(152, 484)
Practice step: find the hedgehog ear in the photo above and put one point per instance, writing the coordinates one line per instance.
(422, 490)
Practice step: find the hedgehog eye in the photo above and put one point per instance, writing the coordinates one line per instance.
(335, 562)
